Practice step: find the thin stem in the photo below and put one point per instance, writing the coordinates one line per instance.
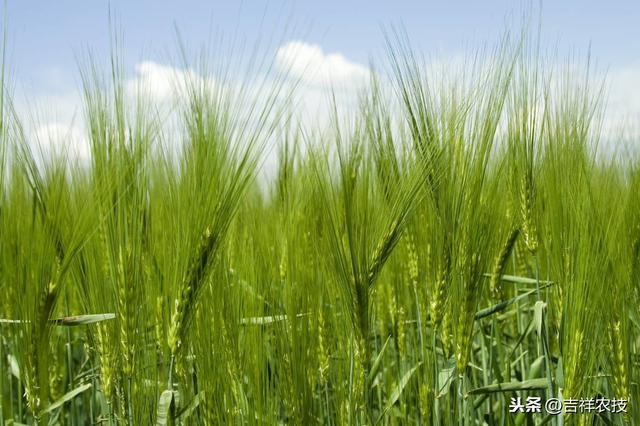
(545, 333)
(436, 401)
(20, 408)
(326, 395)
(110, 413)
(129, 406)
(2, 380)
(70, 364)
(351, 365)
(171, 363)
(461, 401)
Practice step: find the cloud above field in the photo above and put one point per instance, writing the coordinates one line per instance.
(311, 65)
(323, 77)
(623, 101)
(62, 139)
(162, 82)
(320, 77)
(52, 124)
(323, 80)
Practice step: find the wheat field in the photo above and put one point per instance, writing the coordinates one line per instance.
(463, 249)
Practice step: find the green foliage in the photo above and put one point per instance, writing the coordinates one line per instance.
(414, 265)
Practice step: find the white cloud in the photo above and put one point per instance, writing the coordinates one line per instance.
(310, 64)
(60, 139)
(162, 82)
(59, 124)
(323, 80)
(623, 100)
(55, 123)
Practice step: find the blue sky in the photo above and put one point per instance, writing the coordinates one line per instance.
(334, 38)
(45, 36)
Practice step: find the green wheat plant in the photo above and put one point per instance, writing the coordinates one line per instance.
(462, 241)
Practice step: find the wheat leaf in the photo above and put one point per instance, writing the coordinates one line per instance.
(66, 398)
